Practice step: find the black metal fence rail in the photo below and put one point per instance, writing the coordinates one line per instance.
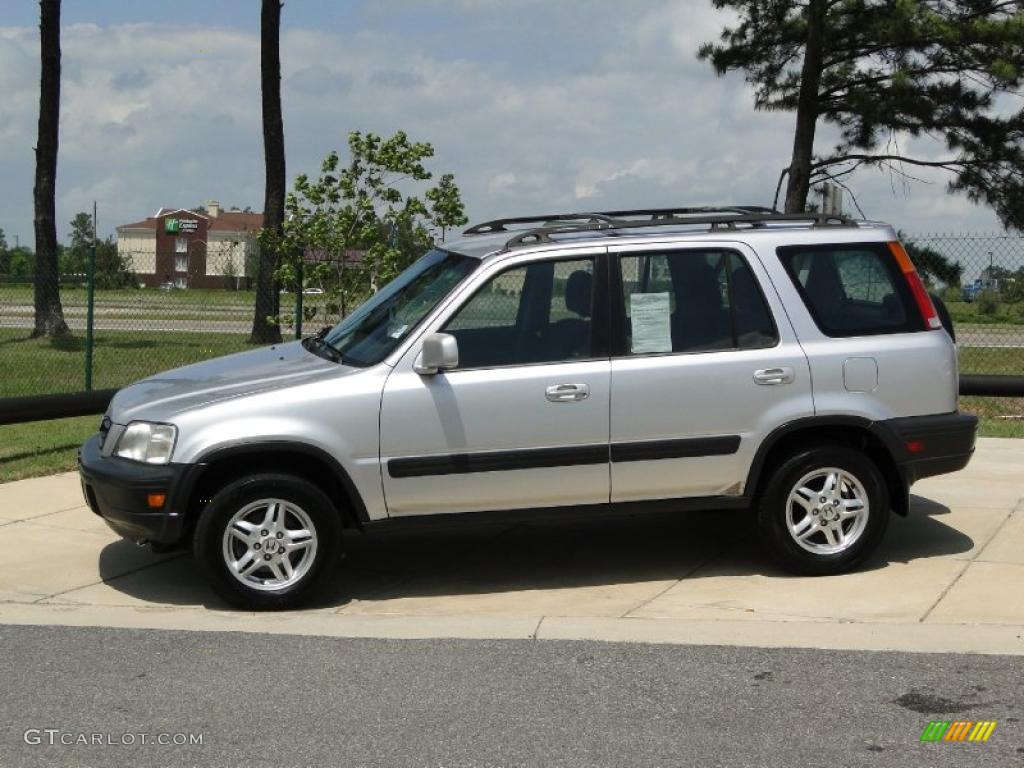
(20, 410)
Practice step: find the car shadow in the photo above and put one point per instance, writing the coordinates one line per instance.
(471, 558)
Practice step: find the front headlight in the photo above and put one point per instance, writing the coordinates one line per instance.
(149, 443)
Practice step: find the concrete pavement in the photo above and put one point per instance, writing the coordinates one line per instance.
(948, 578)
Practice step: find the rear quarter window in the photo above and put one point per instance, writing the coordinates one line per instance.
(852, 289)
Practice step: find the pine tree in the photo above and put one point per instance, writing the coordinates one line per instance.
(882, 71)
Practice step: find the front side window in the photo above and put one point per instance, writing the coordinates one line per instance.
(536, 313)
(852, 290)
(369, 334)
(693, 301)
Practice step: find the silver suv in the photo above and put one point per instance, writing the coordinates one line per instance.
(628, 360)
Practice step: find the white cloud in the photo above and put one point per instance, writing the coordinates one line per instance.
(604, 109)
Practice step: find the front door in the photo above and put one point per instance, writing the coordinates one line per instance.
(523, 420)
(706, 365)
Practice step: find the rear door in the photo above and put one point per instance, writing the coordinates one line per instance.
(704, 365)
(871, 350)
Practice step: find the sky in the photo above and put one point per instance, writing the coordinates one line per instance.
(536, 106)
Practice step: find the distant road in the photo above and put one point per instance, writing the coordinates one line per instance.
(142, 324)
(984, 336)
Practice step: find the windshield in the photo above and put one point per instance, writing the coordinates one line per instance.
(370, 333)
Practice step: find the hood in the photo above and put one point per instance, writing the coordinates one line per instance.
(162, 396)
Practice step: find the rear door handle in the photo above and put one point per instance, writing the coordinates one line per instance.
(772, 376)
(567, 393)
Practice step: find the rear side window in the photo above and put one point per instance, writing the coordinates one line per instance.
(852, 290)
(693, 301)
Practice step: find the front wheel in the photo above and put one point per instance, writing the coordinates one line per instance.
(824, 510)
(268, 541)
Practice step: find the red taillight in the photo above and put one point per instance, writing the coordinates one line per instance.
(924, 301)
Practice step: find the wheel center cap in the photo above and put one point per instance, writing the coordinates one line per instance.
(270, 545)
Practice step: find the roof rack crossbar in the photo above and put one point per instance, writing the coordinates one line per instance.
(501, 225)
(616, 227)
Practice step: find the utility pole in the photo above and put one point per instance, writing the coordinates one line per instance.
(831, 199)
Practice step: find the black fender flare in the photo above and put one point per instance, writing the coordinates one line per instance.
(889, 440)
(281, 446)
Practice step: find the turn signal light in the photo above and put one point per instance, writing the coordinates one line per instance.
(156, 500)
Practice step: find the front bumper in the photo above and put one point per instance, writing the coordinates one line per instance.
(116, 489)
(923, 446)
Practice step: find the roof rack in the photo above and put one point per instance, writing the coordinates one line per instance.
(592, 217)
(663, 213)
(611, 226)
(501, 225)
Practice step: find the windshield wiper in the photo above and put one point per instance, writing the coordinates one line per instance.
(319, 345)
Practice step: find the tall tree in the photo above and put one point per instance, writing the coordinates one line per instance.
(49, 315)
(75, 258)
(5, 257)
(883, 72)
(265, 326)
(446, 208)
(362, 219)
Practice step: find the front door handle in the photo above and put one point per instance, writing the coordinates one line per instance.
(771, 376)
(567, 393)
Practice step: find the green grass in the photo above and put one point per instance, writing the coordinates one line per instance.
(42, 448)
(1008, 361)
(45, 366)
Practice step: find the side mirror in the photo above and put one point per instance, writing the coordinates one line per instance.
(440, 352)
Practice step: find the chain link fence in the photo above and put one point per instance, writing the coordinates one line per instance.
(188, 301)
(980, 279)
(150, 311)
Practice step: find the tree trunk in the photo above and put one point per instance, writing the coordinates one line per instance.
(807, 109)
(49, 315)
(268, 300)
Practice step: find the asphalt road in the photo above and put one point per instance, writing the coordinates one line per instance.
(305, 701)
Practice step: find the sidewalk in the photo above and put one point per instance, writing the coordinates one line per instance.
(948, 578)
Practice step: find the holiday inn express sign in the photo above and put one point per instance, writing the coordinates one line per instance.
(174, 226)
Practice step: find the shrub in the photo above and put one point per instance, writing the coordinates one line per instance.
(952, 293)
(987, 302)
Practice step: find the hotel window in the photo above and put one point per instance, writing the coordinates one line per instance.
(181, 263)
(180, 245)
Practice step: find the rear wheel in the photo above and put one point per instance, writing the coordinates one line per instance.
(268, 541)
(824, 510)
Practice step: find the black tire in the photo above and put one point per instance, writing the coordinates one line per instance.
(209, 541)
(773, 512)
